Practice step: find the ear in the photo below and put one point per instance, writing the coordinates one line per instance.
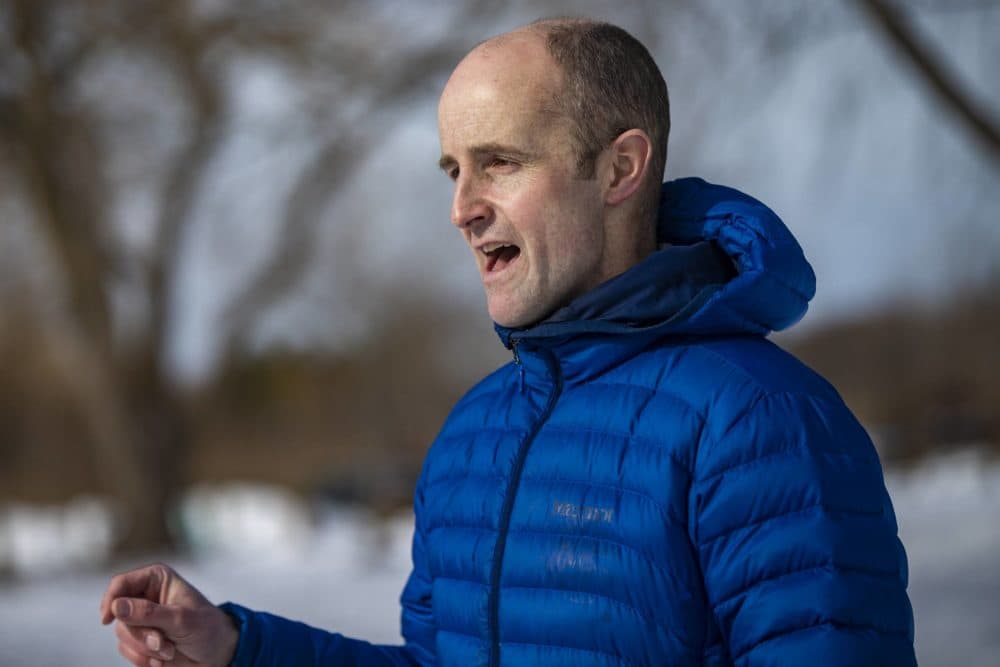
(628, 160)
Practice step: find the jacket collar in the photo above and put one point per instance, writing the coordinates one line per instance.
(727, 266)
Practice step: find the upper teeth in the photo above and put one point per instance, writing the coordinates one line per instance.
(491, 247)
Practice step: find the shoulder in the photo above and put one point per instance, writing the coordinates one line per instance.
(746, 388)
(766, 365)
(722, 375)
(767, 404)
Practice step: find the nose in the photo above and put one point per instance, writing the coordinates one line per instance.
(468, 205)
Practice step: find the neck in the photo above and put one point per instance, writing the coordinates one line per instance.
(630, 239)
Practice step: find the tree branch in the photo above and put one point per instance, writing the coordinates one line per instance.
(931, 67)
(322, 180)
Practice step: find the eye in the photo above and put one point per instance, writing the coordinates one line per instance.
(501, 163)
(453, 173)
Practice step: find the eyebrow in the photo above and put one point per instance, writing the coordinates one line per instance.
(446, 161)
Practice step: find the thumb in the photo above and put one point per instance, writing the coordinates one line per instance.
(139, 612)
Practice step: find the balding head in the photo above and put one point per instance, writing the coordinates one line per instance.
(516, 63)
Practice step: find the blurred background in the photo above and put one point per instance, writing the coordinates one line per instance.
(233, 313)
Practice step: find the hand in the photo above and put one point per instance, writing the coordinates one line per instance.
(164, 620)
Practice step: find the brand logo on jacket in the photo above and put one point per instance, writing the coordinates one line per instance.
(585, 513)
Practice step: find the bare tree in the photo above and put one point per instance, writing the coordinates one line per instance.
(932, 68)
(58, 145)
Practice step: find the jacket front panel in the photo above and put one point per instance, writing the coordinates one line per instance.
(598, 566)
(704, 502)
(599, 562)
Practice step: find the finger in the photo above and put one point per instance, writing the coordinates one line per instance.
(141, 582)
(146, 641)
(171, 619)
(139, 650)
(136, 658)
(139, 659)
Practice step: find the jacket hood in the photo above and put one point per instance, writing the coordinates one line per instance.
(727, 266)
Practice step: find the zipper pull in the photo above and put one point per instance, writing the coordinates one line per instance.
(517, 362)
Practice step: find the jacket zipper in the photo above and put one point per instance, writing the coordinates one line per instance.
(517, 362)
(508, 502)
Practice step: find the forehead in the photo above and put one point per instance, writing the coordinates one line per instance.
(501, 93)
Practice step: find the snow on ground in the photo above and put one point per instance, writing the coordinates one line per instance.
(345, 569)
(949, 520)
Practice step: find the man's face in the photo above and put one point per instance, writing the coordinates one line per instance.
(535, 229)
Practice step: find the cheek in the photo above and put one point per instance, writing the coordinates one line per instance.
(575, 229)
(559, 225)
(531, 214)
(569, 253)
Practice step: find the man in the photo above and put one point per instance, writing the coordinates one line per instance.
(649, 482)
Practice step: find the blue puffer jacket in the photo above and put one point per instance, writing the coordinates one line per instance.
(651, 482)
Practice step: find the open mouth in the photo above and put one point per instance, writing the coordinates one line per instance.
(499, 256)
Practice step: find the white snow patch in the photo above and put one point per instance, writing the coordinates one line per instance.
(946, 509)
(245, 521)
(42, 540)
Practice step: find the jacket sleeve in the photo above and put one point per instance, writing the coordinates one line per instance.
(267, 640)
(796, 538)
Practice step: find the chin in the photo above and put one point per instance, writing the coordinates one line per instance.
(509, 317)
(511, 322)
(513, 317)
